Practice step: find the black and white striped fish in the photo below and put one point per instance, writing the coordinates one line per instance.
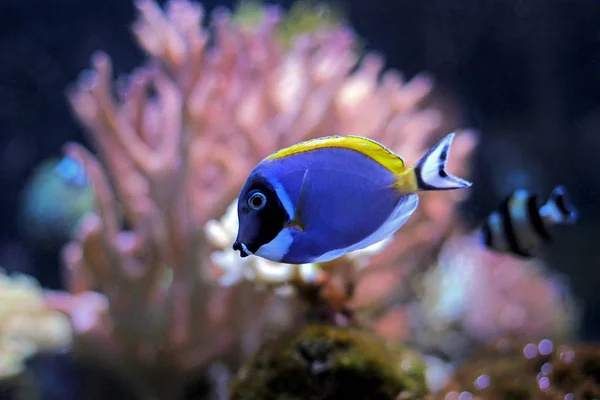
(520, 224)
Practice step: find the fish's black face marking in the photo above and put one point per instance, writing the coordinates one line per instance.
(261, 215)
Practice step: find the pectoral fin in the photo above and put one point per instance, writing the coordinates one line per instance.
(300, 213)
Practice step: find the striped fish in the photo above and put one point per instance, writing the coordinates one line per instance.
(520, 224)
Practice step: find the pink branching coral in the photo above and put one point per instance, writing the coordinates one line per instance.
(174, 145)
(489, 295)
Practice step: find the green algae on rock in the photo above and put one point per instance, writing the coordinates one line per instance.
(511, 370)
(329, 363)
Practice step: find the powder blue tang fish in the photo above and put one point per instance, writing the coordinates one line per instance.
(320, 199)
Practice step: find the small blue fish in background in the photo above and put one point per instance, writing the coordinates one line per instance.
(72, 172)
(520, 224)
(55, 198)
(320, 199)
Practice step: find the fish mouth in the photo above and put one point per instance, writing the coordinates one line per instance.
(242, 248)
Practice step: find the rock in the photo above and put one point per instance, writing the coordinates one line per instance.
(329, 363)
(542, 370)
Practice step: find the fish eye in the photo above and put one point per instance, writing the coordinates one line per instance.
(257, 201)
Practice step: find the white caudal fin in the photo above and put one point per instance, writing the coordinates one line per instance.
(559, 209)
(430, 170)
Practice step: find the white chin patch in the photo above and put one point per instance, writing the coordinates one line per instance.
(277, 248)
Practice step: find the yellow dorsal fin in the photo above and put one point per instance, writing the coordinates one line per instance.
(368, 147)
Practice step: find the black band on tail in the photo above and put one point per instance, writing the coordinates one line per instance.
(533, 211)
(443, 157)
(421, 184)
(560, 203)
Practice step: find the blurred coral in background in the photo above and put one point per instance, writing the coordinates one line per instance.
(472, 297)
(157, 295)
(27, 325)
(492, 295)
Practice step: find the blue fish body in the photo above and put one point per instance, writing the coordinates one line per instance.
(321, 199)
